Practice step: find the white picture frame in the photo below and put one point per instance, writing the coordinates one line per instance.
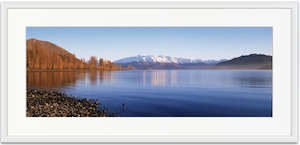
(294, 66)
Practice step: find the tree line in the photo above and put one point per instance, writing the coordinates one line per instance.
(43, 55)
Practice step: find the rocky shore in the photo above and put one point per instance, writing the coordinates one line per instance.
(52, 103)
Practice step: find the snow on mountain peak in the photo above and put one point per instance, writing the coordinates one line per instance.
(162, 59)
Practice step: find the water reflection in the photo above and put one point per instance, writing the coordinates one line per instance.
(158, 78)
(106, 75)
(93, 77)
(51, 79)
(63, 79)
(173, 76)
(253, 79)
(153, 78)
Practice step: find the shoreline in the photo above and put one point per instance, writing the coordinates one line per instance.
(53, 103)
(142, 69)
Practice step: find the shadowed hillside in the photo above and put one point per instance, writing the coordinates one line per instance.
(252, 61)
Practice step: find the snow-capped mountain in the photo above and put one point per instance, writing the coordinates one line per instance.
(164, 59)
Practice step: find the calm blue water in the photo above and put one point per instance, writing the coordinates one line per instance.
(171, 93)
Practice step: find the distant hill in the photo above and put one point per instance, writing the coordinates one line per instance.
(252, 61)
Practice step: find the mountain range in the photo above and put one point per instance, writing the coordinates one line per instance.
(164, 59)
(252, 61)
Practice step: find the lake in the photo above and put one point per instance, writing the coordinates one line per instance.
(168, 93)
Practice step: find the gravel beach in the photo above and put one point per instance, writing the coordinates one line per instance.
(52, 103)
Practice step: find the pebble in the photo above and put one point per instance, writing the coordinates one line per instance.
(52, 103)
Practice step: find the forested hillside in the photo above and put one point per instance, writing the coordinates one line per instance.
(44, 55)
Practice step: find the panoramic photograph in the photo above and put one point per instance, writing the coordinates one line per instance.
(149, 71)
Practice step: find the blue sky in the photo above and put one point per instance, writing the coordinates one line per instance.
(113, 43)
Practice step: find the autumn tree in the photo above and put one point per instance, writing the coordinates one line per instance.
(101, 62)
(93, 62)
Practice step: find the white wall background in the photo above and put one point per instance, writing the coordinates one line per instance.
(169, 0)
